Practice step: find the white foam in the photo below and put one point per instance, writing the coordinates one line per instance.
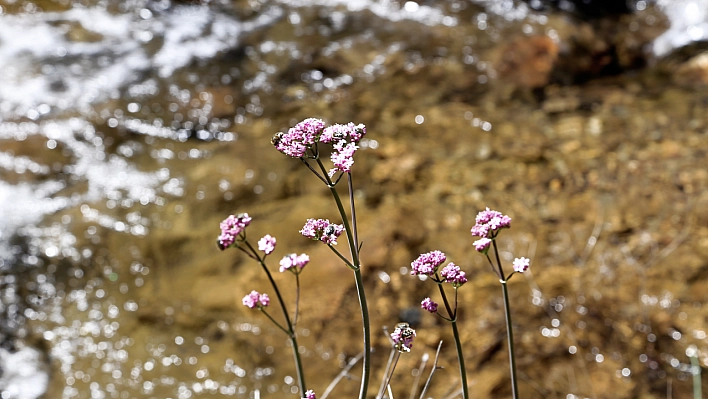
(23, 374)
(689, 23)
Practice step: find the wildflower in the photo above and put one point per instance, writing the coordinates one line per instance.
(427, 263)
(256, 300)
(349, 132)
(521, 264)
(482, 245)
(429, 305)
(335, 132)
(488, 222)
(323, 230)
(266, 244)
(231, 227)
(299, 138)
(453, 275)
(294, 260)
(343, 157)
(310, 394)
(402, 337)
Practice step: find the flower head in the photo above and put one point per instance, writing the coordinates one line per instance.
(323, 230)
(231, 227)
(343, 157)
(299, 138)
(453, 275)
(349, 132)
(402, 337)
(294, 262)
(489, 222)
(310, 394)
(427, 263)
(256, 300)
(266, 244)
(482, 245)
(429, 305)
(521, 264)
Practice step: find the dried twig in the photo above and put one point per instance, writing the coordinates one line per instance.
(342, 374)
(435, 367)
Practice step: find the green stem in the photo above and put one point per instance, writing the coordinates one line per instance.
(458, 343)
(345, 260)
(354, 249)
(461, 360)
(697, 390)
(510, 336)
(353, 210)
(291, 331)
(297, 299)
(274, 322)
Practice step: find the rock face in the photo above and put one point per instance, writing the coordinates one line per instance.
(527, 62)
(599, 160)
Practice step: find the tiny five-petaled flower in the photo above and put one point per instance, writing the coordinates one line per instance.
(231, 227)
(323, 230)
(310, 394)
(402, 337)
(488, 223)
(521, 264)
(429, 305)
(453, 275)
(266, 244)
(427, 264)
(294, 262)
(256, 300)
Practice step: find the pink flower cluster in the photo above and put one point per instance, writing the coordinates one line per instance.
(231, 227)
(266, 244)
(488, 224)
(345, 139)
(429, 305)
(310, 394)
(402, 337)
(453, 275)
(521, 264)
(427, 264)
(299, 138)
(256, 300)
(307, 133)
(294, 261)
(323, 230)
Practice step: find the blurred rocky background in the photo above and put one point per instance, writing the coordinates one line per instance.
(130, 129)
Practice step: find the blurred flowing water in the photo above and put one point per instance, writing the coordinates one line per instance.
(111, 113)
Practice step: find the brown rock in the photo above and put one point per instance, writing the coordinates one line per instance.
(527, 62)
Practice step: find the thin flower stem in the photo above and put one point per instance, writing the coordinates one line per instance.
(345, 260)
(388, 377)
(697, 390)
(250, 255)
(492, 265)
(274, 322)
(450, 312)
(354, 249)
(461, 360)
(510, 336)
(458, 344)
(313, 170)
(496, 254)
(342, 374)
(290, 331)
(297, 299)
(384, 378)
(418, 374)
(351, 202)
(509, 328)
(435, 367)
